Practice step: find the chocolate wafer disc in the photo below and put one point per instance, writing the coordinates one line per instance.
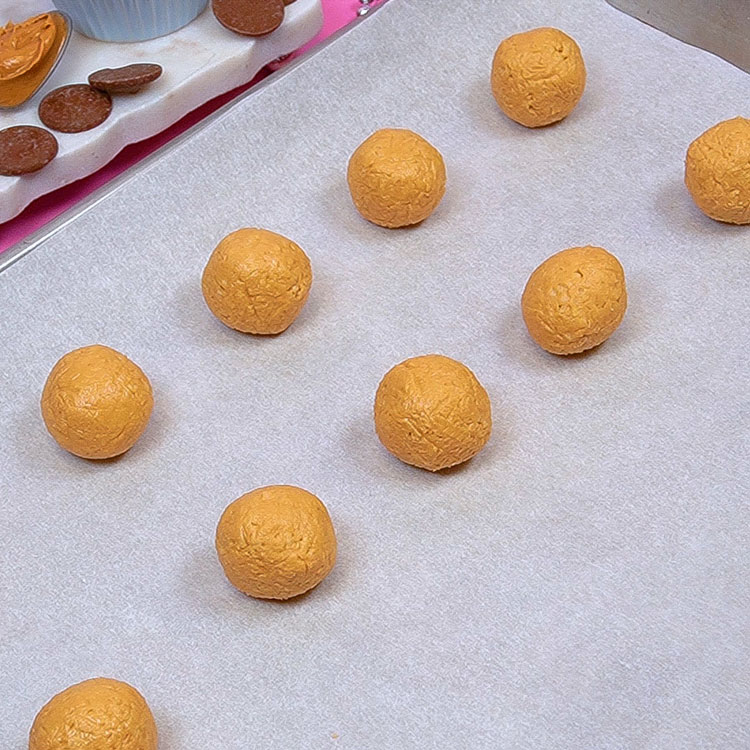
(73, 109)
(249, 17)
(126, 80)
(25, 149)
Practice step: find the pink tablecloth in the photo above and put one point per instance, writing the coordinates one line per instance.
(337, 14)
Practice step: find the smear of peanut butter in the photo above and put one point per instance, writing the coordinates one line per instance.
(18, 87)
(23, 45)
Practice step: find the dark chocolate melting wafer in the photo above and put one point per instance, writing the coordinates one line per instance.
(126, 80)
(25, 149)
(73, 109)
(249, 17)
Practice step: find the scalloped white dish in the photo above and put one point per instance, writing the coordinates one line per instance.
(200, 61)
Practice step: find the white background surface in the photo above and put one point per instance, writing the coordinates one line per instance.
(583, 583)
(200, 61)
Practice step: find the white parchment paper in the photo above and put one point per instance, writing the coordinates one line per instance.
(583, 583)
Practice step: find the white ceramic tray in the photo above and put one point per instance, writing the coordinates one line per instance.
(200, 62)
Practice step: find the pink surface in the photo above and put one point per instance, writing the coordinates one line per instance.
(337, 14)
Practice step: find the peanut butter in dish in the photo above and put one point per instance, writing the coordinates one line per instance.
(28, 52)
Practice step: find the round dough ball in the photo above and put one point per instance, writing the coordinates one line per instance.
(575, 300)
(396, 178)
(276, 542)
(432, 412)
(538, 76)
(717, 171)
(96, 403)
(257, 281)
(98, 714)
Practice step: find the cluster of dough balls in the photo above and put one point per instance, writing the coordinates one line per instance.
(538, 77)
(274, 543)
(96, 402)
(278, 542)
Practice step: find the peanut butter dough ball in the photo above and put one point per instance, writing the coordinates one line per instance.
(717, 171)
(575, 300)
(538, 76)
(96, 403)
(432, 412)
(98, 714)
(276, 542)
(396, 178)
(257, 281)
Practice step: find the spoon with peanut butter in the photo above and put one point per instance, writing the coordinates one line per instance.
(29, 52)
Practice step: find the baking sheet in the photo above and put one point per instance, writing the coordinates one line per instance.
(582, 583)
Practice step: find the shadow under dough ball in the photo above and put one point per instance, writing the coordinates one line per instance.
(97, 713)
(96, 403)
(276, 542)
(538, 76)
(396, 178)
(575, 300)
(717, 171)
(257, 281)
(432, 412)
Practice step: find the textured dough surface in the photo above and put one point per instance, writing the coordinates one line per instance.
(257, 281)
(396, 178)
(538, 76)
(575, 300)
(96, 403)
(717, 171)
(432, 412)
(276, 542)
(98, 714)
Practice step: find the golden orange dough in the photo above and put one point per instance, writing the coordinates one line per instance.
(396, 178)
(575, 300)
(538, 76)
(96, 403)
(432, 412)
(257, 281)
(98, 714)
(276, 542)
(717, 171)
